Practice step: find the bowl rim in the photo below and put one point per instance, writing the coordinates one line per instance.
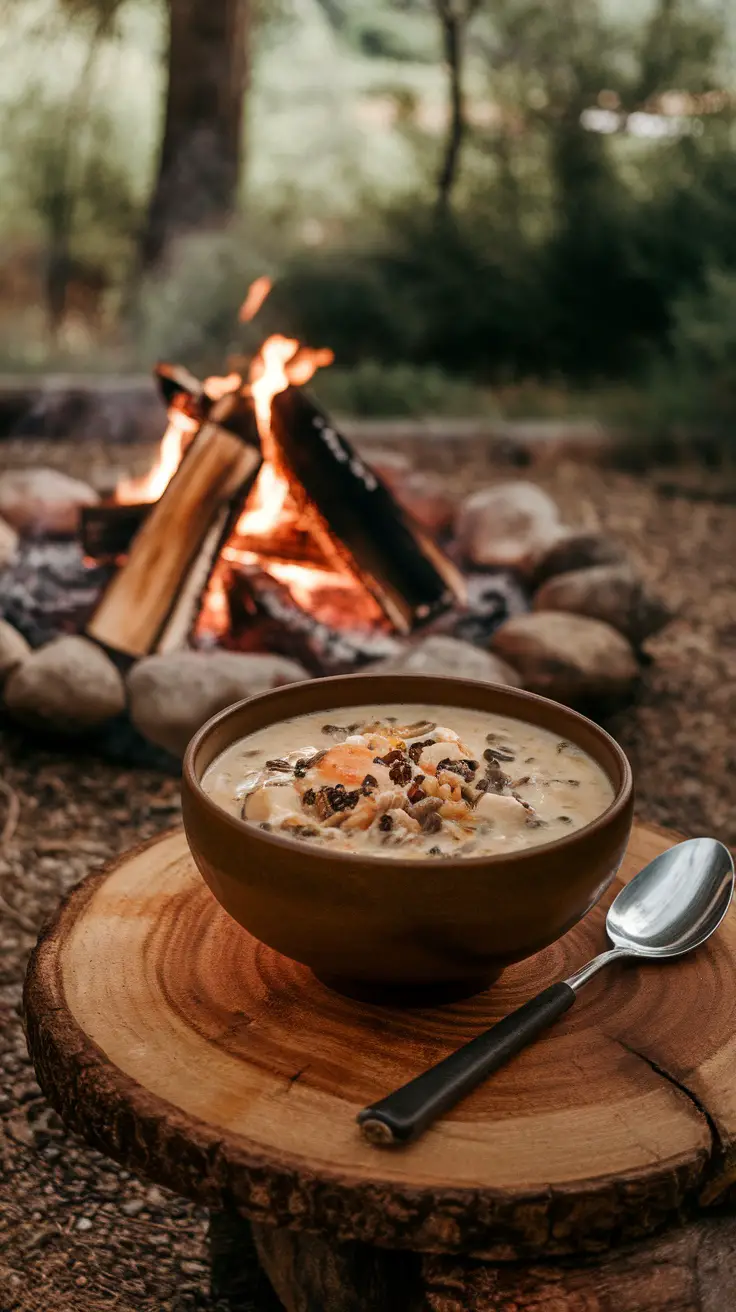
(621, 801)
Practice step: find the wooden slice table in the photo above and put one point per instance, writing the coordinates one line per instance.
(593, 1174)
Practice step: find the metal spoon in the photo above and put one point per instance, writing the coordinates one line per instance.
(672, 906)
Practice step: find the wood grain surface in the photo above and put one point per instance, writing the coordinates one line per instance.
(175, 1042)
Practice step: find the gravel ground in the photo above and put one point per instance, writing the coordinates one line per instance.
(76, 1232)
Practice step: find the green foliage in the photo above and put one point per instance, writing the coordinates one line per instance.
(569, 254)
(380, 390)
(692, 385)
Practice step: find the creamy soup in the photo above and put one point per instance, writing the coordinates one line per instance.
(410, 781)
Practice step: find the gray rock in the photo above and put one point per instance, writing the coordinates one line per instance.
(40, 502)
(509, 525)
(13, 649)
(171, 696)
(611, 593)
(70, 685)
(8, 543)
(574, 549)
(449, 656)
(568, 657)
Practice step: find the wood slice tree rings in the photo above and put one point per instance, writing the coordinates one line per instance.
(181, 1046)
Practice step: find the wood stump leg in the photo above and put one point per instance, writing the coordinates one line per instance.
(236, 1272)
(691, 1270)
(314, 1274)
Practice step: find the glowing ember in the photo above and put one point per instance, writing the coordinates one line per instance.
(330, 597)
(256, 295)
(213, 622)
(132, 491)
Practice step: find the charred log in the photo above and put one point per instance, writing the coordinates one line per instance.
(356, 520)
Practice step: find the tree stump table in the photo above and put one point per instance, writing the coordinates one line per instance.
(593, 1174)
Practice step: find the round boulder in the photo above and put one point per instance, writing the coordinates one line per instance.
(575, 549)
(441, 655)
(13, 649)
(611, 593)
(172, 695)
(43, 502)
(507, 526)
(568, 657)
(69, 685)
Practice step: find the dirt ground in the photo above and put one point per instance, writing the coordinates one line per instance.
(76, 1232)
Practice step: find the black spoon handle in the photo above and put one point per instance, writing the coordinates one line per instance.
(408, 1111)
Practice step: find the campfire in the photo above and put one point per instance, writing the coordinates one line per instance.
(261, 548)
(259, 526)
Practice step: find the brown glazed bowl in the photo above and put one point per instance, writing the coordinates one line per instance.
(386, 927)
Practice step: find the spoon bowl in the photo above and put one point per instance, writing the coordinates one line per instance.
(676, 902)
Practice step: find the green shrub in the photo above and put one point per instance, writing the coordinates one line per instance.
(374, 390)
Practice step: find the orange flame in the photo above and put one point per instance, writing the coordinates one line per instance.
(268, 377)
(215, 388)
(280, 362)
(255, 296)
(131, 491)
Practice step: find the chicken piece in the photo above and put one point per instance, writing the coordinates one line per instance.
(403, 822)
(446, 779)
(452, 810)
(436, 752)
(377, 743)
(507, 815)
(272, 804)
(390, 799)
(444, 735)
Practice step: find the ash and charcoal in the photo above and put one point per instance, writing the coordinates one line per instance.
(494, 596)
(49, 590)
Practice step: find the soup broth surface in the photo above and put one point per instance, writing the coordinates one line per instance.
(410, 781)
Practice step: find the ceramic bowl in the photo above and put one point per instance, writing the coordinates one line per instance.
(387, 927)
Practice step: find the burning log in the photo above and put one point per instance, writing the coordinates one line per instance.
(109, 529)
(181, 388)
(355, 519)
(154, 597)
(265, 616)
(290, 545)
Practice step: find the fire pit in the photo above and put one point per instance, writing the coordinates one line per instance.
(262, 548)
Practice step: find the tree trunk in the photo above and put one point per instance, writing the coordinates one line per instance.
(454, 16)
(199, 165)
(452, 40)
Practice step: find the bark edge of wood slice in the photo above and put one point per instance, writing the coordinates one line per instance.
(177, 1044)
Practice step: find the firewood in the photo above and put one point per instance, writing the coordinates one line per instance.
(356, 520)
(145, 596)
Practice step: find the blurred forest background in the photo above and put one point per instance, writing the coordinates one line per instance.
(481, 205)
